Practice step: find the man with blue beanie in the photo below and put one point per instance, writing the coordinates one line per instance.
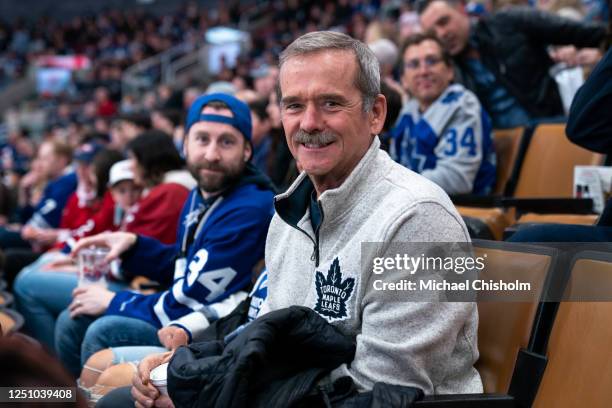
(221, 237)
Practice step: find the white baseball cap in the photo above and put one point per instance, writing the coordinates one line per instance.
(119, 172)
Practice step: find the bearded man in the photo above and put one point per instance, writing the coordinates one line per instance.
(220, 239)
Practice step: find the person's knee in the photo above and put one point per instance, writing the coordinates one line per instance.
(95, 366)
(69, 331)
(119, 375)
(24, 283)
(97, 336)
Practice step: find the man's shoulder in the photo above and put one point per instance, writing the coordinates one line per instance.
(405, 187)
(511, 14)
(457, 94)
(249, 200)
(252, 194)
(64, 182)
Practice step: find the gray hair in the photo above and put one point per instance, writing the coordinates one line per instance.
(367, 79)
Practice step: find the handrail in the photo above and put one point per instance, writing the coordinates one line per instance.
(166, 66)
(143, 74)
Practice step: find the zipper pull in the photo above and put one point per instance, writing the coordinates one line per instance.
(315, 255)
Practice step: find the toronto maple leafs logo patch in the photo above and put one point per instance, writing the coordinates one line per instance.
(333, 293)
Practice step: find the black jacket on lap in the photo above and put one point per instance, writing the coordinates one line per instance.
(275, 361)
(513, 45)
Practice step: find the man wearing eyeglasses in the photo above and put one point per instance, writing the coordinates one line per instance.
(443, 132)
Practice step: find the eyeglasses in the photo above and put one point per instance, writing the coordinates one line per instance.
(428, 61)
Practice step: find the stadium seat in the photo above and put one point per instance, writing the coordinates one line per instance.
(10, 321)
(547, 169)
(579, 371)
(505, 326)
(495, 220)
(580, 219)
(541, 180)
(506, 332)
(507, 144)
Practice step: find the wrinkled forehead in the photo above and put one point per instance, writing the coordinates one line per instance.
(340, 67)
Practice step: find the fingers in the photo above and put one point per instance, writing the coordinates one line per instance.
(96, 240)
(143, 386)
(170, 337)
(79, 290)
(164, 402)
(164, 338)
(76, 308)
(113, 254)
(140, 399)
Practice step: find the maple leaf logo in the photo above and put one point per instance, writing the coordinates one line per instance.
(451, 97)
(333, 293)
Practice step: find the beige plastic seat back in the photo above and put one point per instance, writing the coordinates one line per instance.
(579, 370)
(507, 143)
(505, 327)
(548, 167)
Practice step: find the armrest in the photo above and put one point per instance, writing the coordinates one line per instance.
(467, 401)
(473, 200)
(550, 205)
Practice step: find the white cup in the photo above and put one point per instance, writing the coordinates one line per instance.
(92, 268)
(159, 378)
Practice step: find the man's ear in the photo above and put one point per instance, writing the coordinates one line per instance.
(185, 139)
(378, 114)
(248, 150)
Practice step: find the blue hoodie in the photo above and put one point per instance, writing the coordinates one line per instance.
(229, 235)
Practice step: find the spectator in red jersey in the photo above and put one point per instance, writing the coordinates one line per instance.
(44, 289)
(158, 168)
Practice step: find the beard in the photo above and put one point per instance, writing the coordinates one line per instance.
(225, 177)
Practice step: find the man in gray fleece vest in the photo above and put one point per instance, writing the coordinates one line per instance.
(351, 192)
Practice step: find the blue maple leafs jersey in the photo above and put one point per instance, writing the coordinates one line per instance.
(450, 143)
(228, 240)
(48, 212)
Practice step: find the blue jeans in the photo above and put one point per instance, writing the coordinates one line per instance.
(40, 296)
(77, 339)
(134, 353)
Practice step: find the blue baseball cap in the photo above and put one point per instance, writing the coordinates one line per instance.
(86, 152)
(241, 119)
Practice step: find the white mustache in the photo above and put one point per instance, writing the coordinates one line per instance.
(315, 138)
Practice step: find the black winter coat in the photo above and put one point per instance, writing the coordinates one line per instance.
(275, 361)
(590, 120)
(513, 45)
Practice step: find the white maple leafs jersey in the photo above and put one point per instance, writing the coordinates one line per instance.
(450, 143)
